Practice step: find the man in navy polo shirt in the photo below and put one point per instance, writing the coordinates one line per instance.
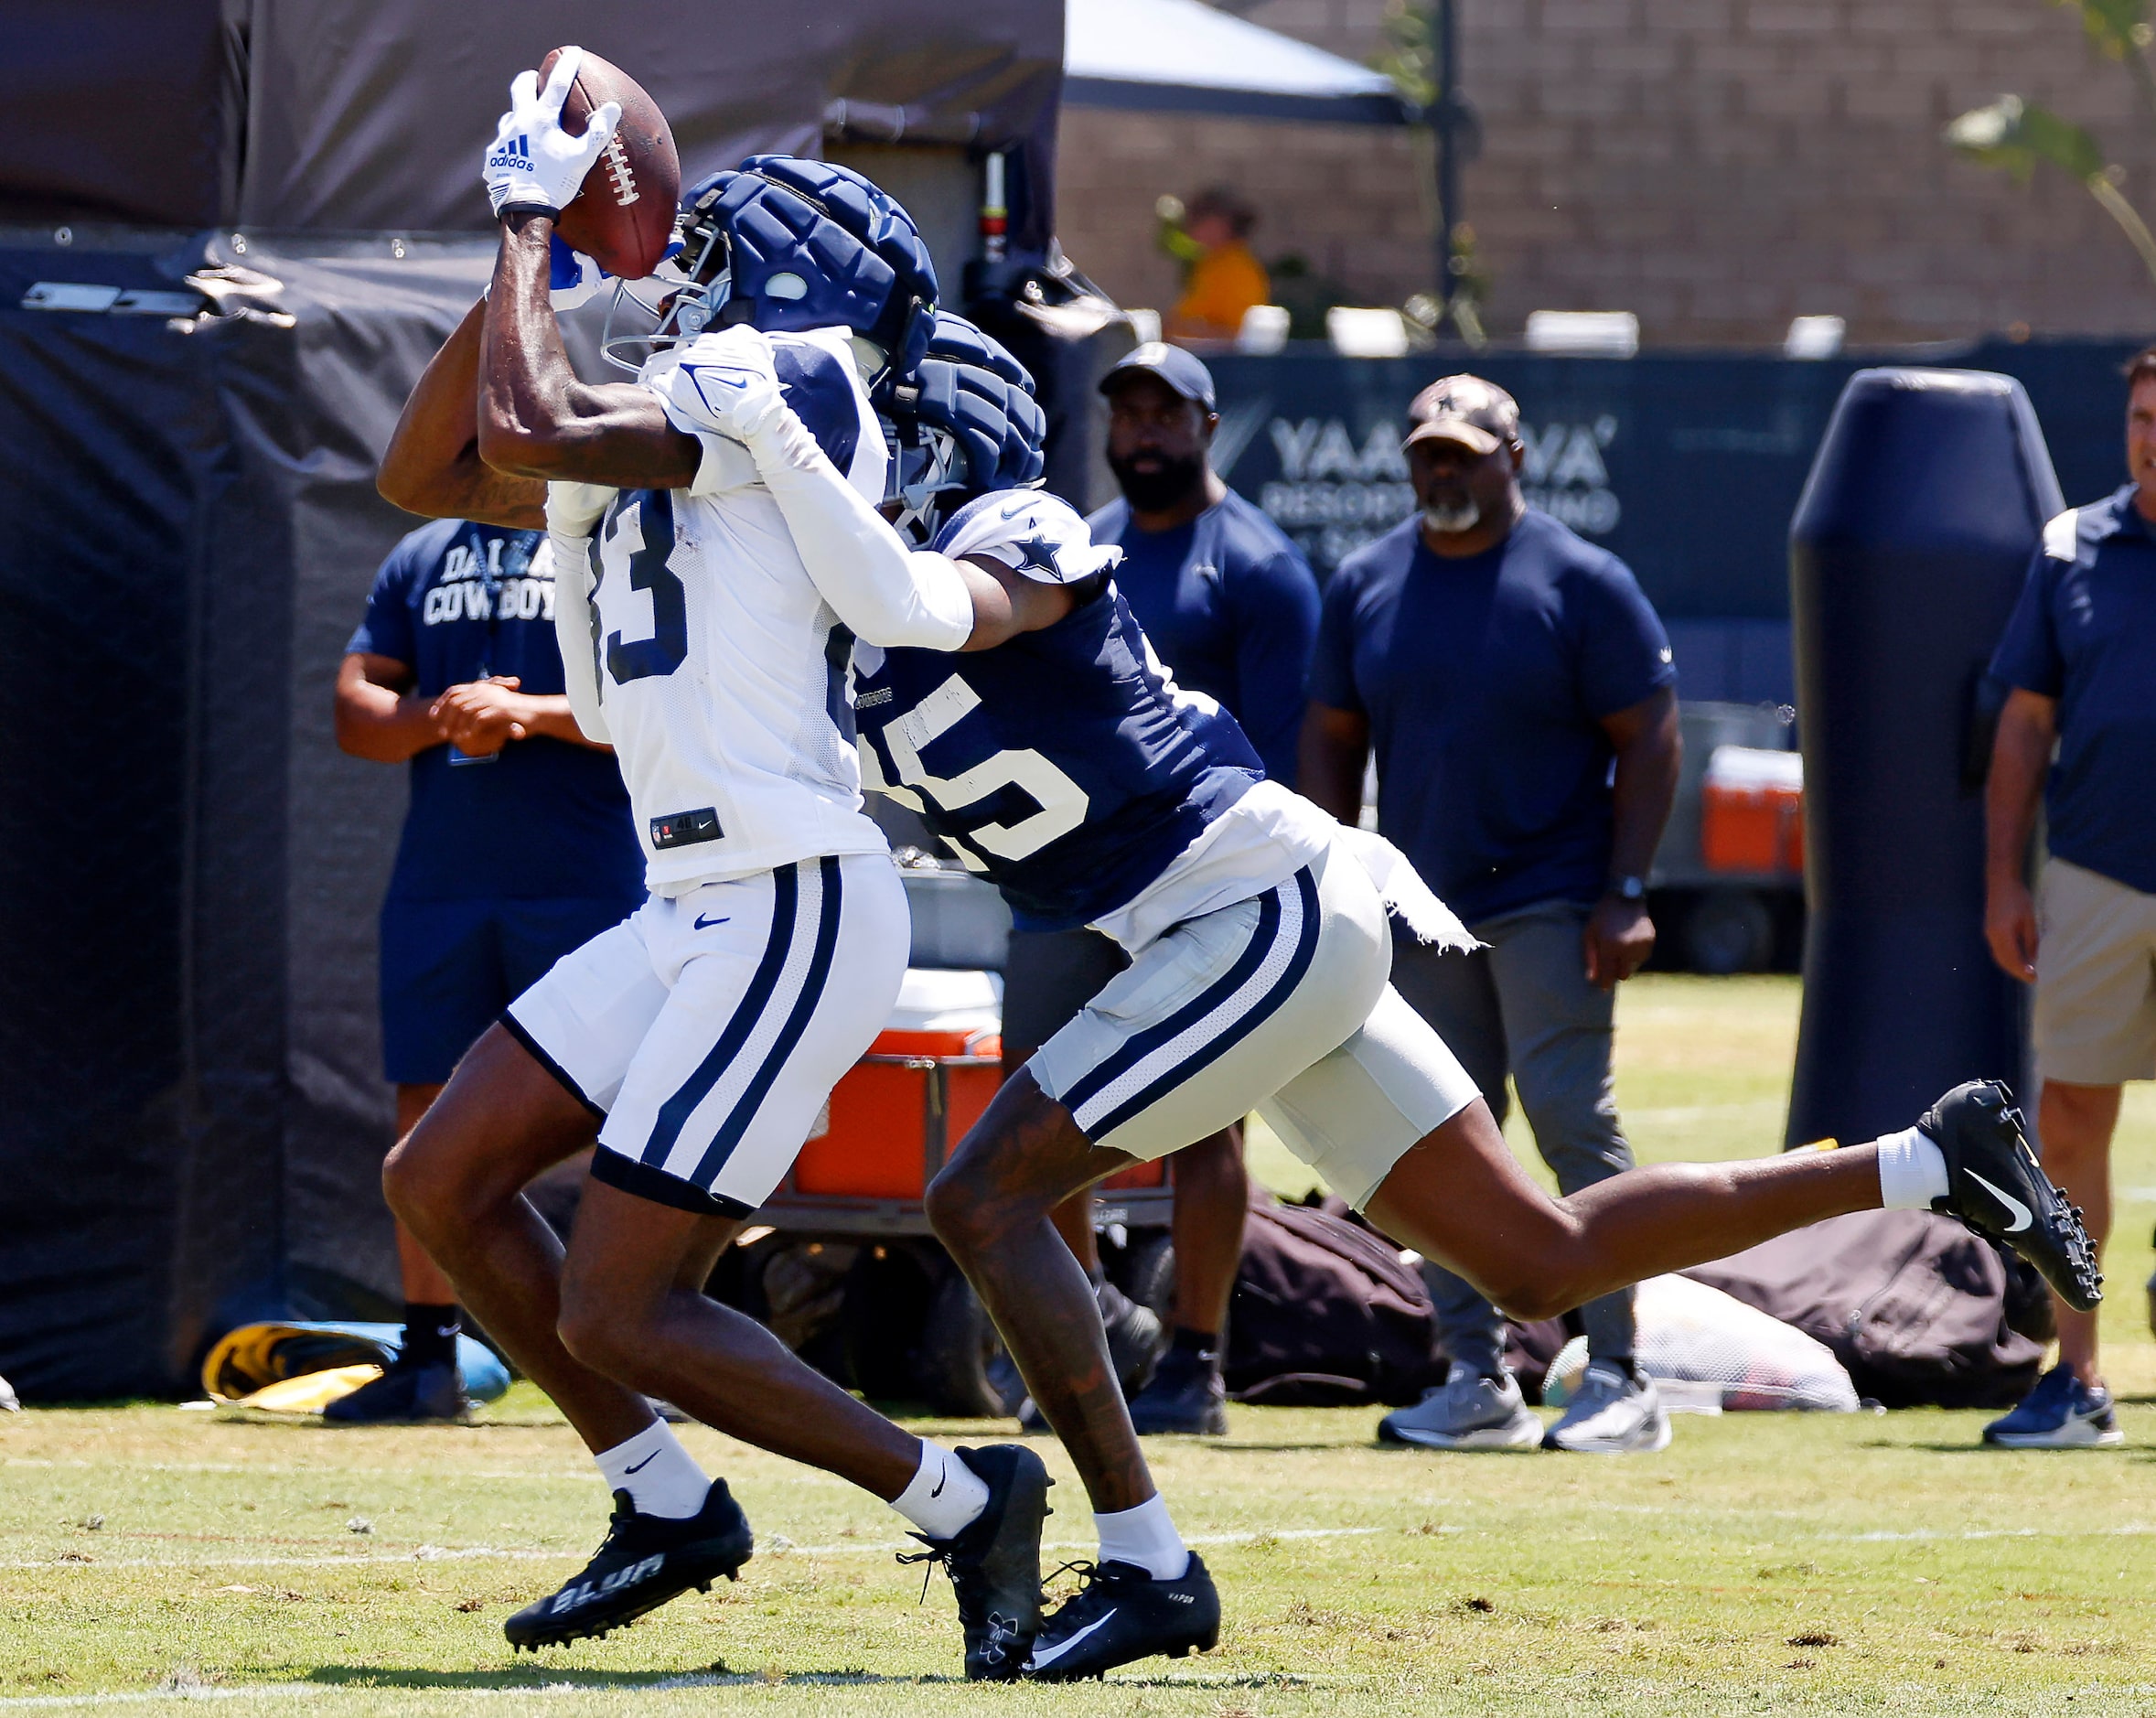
(2079, 655)
(517, 846)
(1521, 695)
(1230, 606)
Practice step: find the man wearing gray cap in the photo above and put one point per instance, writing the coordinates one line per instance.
(1520, 696)
(1230, 606)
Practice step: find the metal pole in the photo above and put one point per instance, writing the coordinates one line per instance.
(1444, 44)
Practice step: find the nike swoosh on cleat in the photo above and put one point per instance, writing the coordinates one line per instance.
(1048, 1655)
(703, 924)
(1013, 512)
(2023, 1217)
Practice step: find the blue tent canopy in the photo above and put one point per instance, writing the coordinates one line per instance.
(1184, 56)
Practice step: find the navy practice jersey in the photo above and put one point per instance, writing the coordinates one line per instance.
(1061, 765)
(543, 819)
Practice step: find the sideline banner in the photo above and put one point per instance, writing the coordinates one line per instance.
(1686, 465)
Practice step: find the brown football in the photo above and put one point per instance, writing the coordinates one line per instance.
(623, 216)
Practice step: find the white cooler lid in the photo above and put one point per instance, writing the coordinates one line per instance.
(934, 1000)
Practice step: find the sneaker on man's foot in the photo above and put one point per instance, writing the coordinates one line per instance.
(1134, 1336)
(1185, 1395)
(1471, 1410)
(994, 1562)
(1616, 1413)
(644, 1560)
(1123, 1614)
(2060, 1413)
(1995, 1185)
(403, 1395)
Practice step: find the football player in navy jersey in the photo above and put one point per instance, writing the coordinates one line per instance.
(1057, 759)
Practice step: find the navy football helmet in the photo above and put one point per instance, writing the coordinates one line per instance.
(964, 423)
(787, 245)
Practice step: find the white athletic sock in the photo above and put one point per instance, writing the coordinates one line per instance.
(1146, 1537)
(659, 1476)
(1912, 1171)
(944, 1497)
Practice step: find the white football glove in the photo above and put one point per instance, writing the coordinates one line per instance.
(572, 278)
(729, 382)
(533, 163)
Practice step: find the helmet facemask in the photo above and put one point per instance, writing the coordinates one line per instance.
(924, 465)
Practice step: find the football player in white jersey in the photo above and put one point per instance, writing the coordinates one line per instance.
(1260, 944)
(706, 1031)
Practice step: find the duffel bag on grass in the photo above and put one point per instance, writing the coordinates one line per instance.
(1913, 1304)
(1325, 1312)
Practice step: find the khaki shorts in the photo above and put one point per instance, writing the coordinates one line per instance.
(2095, 978)
(1280, 1005)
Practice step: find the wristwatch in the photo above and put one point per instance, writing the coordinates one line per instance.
(1626, 888)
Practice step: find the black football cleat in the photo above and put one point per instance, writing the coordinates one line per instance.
(644, 1560)
(1135, 1339)
(1123, 1613)
(994, 1562)
(404, 1395)
(1185, 1395)
(1996, 1187)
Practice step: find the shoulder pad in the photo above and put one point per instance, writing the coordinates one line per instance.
(2061, 536)
(1030, 532)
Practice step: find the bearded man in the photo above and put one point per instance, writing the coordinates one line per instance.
(1519, 694)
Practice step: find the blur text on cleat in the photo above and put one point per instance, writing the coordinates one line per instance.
(645, 1561)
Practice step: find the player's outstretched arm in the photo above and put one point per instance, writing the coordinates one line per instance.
(536, 419)
(1006, 603)
(432, 466)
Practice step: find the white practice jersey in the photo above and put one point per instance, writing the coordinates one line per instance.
(700, 646)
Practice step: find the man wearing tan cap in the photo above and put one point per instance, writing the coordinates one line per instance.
(1520, 696)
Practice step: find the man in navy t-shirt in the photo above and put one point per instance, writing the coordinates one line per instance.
(1520, 697)
(2079, 656)
(518, 845)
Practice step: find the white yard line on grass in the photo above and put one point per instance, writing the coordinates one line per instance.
(777, 1543)
(662, 1685)
(2131, 1530)
(581, 1475)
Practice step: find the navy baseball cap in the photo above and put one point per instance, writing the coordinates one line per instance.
(1174, 366)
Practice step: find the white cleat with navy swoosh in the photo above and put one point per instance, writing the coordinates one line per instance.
(1996, 1187)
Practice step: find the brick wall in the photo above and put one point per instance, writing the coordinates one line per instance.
(1715, 165)
(1355, 202)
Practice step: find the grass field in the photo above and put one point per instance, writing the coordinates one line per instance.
(1765, 1563)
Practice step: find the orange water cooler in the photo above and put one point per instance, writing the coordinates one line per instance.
(897, 1115)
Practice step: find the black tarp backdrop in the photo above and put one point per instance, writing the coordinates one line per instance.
(1687, 465)
(191, 867)
(188, 1012)
(367, 115)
